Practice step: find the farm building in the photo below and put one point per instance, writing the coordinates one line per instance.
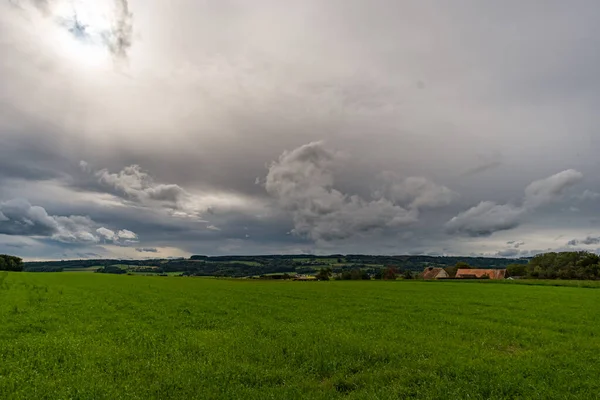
(435, 273)
(480, 273)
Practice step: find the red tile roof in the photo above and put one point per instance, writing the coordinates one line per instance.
(480, 273)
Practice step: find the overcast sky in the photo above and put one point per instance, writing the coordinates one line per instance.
(168, 128)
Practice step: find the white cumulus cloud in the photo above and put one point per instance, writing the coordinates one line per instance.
(18, 217)
(302, 181)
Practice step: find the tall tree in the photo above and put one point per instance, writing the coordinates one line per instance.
(390, 273)
(10, 263)
(324, 274)
(462, 265)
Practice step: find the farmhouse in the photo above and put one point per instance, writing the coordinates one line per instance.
(435, 273)
(480, 273)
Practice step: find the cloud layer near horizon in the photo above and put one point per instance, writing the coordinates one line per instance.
(144, 129)
(488, 217)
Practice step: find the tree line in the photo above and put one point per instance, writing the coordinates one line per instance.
(564, 265)
(357, 274)
(579, 265)
(10, 263)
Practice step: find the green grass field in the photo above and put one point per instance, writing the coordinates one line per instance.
(97, 336)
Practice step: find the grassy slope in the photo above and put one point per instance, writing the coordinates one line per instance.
(110, 337)
(547, 282)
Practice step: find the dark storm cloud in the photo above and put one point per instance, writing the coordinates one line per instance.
(587, 241)
(89, 255)
(544, 191)
(24, 170)
(302, 181)
(158, 229)
(488, 217)
(415, 192)
(19, 218)
(509, 253)
(31, 158)
(16, 245)
(483, 167)
(588, 195)
(177, 136)
(146, 249)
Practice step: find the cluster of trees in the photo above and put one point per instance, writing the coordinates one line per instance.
(391, 273)
(580, 265)
(10, 263)
(417, 263)
(231, 269)
(111, 269)
(57, 266)
(355, 274)
(324, 274)
(216, 266)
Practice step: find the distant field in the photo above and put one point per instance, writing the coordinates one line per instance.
(555, 282)
(318, 260)
(251, 263)
(82, 269)
(98, 336)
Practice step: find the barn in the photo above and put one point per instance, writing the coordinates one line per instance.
(465, 273)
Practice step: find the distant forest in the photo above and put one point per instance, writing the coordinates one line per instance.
(565, 265)
(242, 266)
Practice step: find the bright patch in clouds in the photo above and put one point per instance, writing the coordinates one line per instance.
(86, 27)
(91, 33)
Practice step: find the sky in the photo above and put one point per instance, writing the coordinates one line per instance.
(135, 129)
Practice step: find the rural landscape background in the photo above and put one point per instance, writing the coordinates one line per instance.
(127, 330)
(274, 199)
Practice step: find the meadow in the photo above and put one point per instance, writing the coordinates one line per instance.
(101, 336)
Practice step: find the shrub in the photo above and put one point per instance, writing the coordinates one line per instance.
(389, 274)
